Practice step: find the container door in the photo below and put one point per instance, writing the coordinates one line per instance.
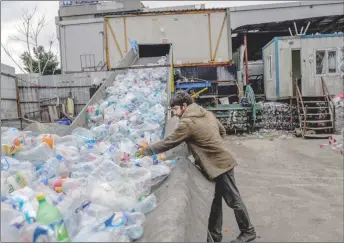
(284, 79)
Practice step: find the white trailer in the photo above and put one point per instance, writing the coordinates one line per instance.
(307, 59)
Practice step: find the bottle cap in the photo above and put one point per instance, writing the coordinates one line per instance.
(40, 197)
(58, 189)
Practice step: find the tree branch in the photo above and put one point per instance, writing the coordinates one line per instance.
(52, 40)
(10, 56)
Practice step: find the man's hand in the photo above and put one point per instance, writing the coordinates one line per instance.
(142, 146)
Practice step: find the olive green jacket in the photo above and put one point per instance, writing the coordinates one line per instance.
(203, 134)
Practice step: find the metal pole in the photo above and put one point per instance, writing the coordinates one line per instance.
(295, 29)
(306, 28)
(246, 59)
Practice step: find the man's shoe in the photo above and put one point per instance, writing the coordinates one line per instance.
(245, 237)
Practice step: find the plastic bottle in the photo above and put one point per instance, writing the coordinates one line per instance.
(50, 169)
(37, 233)
(51, 196)
(143, 162)
(43, 150)
(146, 205)
(17, 181)
(9, 233)
(11, 165)
(50, 216)
(134, 231)
(8, 149)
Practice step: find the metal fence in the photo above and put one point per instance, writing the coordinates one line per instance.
(37, 93)
(9, 111)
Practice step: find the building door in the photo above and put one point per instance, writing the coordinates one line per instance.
(296, 70)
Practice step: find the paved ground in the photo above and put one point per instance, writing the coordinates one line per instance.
(293, 190)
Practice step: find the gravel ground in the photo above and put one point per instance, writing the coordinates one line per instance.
(293, 189)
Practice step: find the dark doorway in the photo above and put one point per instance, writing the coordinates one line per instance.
(296, 69)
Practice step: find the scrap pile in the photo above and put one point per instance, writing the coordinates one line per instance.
(338, 102)
(276, 115)
(90, 185)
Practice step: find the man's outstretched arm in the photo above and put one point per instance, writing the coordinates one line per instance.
(179, 135)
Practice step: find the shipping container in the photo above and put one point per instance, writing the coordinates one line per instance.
(199, 37)
(307, 59)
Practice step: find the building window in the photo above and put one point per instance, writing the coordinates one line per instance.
(320, 62)
(332, 61)
(269, 67)
(326, 62)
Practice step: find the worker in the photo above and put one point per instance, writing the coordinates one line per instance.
(204, 135)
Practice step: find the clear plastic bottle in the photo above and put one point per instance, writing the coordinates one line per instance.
(37, 233)
(143, 162)
(50, 216)
(146, 205)
(9, 233)
(18, 181)
(43, 150)
(134, 231)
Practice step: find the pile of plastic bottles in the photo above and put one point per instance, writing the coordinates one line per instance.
(338, 102)
(276, 115)
(90, 185)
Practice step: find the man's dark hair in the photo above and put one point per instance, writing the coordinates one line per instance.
(179, 98)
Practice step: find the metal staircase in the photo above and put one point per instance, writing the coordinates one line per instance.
(316, 114)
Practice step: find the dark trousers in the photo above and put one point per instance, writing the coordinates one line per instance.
(226, 188)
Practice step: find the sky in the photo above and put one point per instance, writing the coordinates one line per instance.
(11, 12)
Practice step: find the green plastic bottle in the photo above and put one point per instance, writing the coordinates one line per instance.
(51, 216)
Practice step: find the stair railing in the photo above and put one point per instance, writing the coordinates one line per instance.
(327, 95)
(300, 100)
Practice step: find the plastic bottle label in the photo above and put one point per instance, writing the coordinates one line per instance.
(10, 150)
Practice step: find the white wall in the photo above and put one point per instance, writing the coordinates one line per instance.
(187, 32)
(79, 38)
(311, 84)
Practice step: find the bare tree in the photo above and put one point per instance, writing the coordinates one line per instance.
(28, 33)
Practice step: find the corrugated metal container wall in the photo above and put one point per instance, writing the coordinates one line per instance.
(81, 44)
(8, 95)
(188, 32)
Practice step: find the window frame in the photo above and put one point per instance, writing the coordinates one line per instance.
(327, 73)
(269, 67)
